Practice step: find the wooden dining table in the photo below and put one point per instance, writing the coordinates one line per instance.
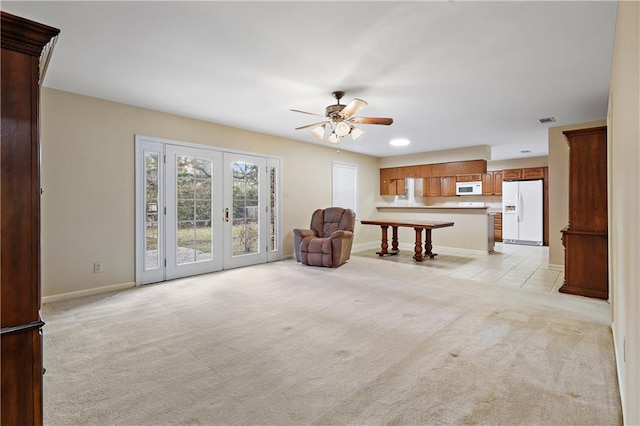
(417, 225)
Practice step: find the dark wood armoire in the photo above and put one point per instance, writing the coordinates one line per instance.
(26, 47)
(585, 238)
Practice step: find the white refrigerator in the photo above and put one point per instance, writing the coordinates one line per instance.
(522, 212)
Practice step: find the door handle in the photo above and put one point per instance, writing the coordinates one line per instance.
(226, 214)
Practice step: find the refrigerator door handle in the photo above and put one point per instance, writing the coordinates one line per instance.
(519, 205)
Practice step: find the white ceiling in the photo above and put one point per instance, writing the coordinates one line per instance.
(451, 74)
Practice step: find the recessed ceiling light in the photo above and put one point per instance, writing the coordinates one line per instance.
(399, 142)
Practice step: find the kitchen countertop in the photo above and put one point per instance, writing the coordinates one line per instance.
(432, 207)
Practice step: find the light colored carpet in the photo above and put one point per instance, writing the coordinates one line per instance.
(368, 343)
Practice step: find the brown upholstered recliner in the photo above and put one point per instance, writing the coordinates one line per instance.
(328, 242)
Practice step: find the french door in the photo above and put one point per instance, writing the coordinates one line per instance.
(201, 210)
(193, 216)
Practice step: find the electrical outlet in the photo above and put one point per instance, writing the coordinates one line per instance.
(97, 268)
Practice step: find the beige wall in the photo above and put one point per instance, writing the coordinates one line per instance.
(88, 178)
(559, 188)
(624, 205)
(517, 163)
(480, 152)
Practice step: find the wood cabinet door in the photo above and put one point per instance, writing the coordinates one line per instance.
(400, 186)
(435, 186)
(487, 183)
(448, 187)
(511, 174)
(533, 173)
(385, 181)
(498, 226)
(497, 183)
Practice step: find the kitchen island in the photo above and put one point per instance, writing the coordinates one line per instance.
(471, 231)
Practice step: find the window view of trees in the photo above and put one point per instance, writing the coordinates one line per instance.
(194, 205)
(245, 208)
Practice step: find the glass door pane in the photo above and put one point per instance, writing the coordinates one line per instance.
(194, 237)
(245, 219)
(149, 211)
(274, 251)
(194, 229)
(151, 202)
(245, 214)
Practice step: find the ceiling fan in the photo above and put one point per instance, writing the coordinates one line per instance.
(340, 120)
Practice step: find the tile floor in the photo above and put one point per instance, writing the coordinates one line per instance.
(510, 265)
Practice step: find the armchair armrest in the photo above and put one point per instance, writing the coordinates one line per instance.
(341, 234)
(304, 233)
(298, 236)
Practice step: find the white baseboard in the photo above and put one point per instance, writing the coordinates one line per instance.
(88, 292)
(555, 267)
(365, 246)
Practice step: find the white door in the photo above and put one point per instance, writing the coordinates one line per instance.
(194, 211)
(246, 213)
(530, 209)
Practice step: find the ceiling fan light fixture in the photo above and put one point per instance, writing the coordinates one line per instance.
(356, 133)
(342, 129)
(318, 132)
(333, 138)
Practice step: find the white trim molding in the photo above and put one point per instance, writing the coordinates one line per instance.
(88, 292)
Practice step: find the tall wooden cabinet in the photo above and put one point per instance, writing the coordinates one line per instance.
(585, 237)
(26, 46)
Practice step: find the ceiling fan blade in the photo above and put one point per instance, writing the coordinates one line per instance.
(311, 125)
(305, 112)
(353, 107)
(372, 120)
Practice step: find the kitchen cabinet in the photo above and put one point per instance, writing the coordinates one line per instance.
(26, 46)
(492, 183)
(432, 187)
(469, 178)
(487, 183)
(390, 184)
(448, 186)
(497, 182)
(385, 181)
(523, 174)
(498, 227)
(585, 238)
(459, 168)
(392, 178)
(511, 174)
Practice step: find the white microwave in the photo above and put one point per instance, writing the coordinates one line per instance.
(468, 188)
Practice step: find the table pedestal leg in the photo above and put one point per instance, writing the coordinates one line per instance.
(418, 249)
(428, 246)
(384, 245)
(394, 240)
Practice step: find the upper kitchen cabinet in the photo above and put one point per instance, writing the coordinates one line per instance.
(492, 183)
(469, 178)
(448, 186)
(523, 174)
(390, 183)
